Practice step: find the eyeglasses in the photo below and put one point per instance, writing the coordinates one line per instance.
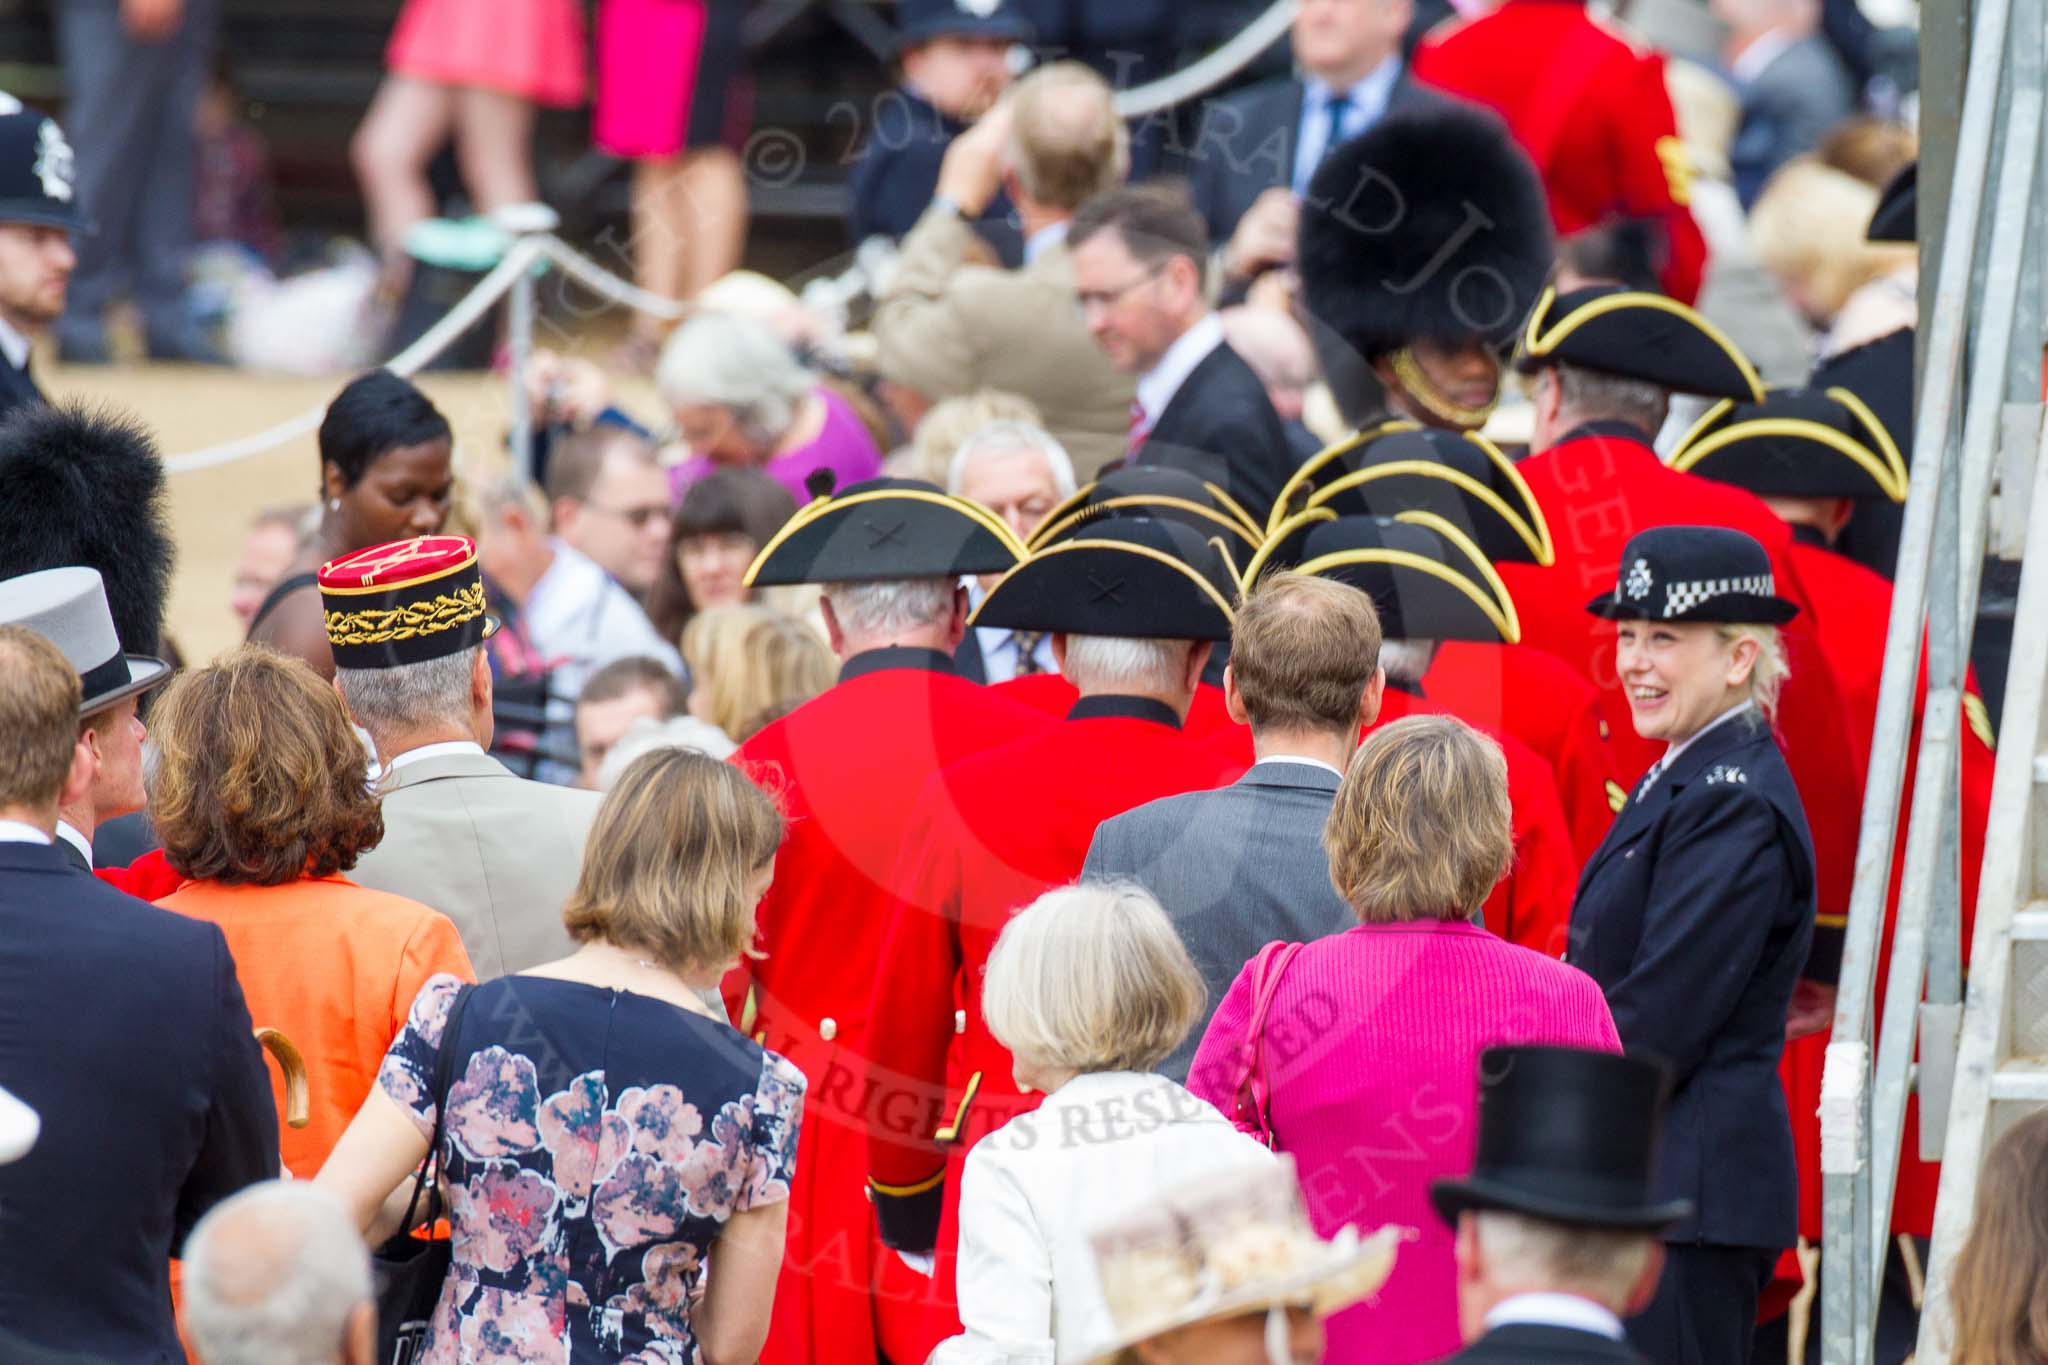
(636, 517)
(1103, 298)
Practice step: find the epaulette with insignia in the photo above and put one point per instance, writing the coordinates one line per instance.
(1727, 773)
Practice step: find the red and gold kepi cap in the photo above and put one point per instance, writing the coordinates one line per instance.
(404, 602)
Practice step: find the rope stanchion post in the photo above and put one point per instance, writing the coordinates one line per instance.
(519, 346)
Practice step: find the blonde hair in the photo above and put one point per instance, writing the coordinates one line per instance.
(1807, 229)
(666, 866)
(1768, 674)
(1091, 978)
(39, 716)
(1421, 826)
(1066, 152)
(753, 664)
(948, 423)
(2000, 1289)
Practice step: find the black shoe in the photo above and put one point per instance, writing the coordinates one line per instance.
(186, 345)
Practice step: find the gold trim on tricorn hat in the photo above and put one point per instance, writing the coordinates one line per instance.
(1631, 334)
(884, 530)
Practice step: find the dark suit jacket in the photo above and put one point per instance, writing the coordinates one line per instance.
(1244, 145)
(898, 171)
(16, 388)
(1221, 426)
(1529, 1344)
(123, 1027)
(1695, 915)
(1235, 868)
(1805, 91)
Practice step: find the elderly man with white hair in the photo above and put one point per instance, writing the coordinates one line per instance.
(276, 1275)
(1019, 472)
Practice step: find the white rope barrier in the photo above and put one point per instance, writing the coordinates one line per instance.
(598, 280)
(1211, 71)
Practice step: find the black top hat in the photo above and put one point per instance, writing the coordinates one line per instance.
(1399, 467)
(1568, 1135)
(1389, 252)
(924, 20)
(38, 173)
(1695, 573)
(68, 607)
(1797, 443)
(1897, 215)
(1634, 335)
(885, 530)
(1426, 578)
(1151, 490)
(404, 602)
(1136, 577)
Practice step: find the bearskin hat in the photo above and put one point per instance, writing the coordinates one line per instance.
(1432, 225)
(86, 487)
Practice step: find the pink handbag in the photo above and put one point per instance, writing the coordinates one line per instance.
(1253, 1096)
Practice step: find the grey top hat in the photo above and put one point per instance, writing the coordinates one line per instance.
(68, 607)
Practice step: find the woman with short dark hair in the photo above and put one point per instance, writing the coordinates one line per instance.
(606, 1135)
(259, 796)
(387, 473)
(724, 521)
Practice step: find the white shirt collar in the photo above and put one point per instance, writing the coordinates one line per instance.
(75, 837)
(1755, 59)
(427, 751)
(1368, 94)
(1300, 761)
(1160, 383)
(1671, 754)
(1555, 1310)
(13, 345)
(17, 832)
(1044, 240)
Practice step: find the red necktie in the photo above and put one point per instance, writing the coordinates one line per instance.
(1140, 429)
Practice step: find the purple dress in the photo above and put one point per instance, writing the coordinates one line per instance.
(596, 1143)
(842, 446)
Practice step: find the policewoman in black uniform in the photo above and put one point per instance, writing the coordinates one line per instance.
(1695, 915)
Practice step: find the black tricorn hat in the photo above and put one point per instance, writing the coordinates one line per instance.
(884, 530)
(1636, 335)
(1427, 580)
(1897, 215)
(1427, 227)
(1151, 490)
(1567, 1135)
(1397, 467)
(84, 487)
(1136, 577)
(1797, 443)
(1695, 573)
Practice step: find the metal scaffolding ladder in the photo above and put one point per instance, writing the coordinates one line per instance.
(1978, 432)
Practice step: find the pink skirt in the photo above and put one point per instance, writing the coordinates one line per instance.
(529, 48)
(669, 76)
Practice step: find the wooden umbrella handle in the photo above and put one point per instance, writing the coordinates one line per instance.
(297, 1101)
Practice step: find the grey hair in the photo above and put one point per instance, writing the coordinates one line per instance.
(885, 607)
(1008, 437)
(410, 696)
(1100, 663)
(1407, 660)
(1590, 396)
(735, 363)
(1528, 1254)
(272, 1276)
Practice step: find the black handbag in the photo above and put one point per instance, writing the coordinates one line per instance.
(408, 1270)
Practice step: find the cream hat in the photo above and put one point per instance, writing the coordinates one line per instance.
(1225, 1247)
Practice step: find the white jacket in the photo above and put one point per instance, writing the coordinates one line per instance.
(1100, 1145)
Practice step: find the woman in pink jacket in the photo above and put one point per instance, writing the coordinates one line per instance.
(1362, 1065)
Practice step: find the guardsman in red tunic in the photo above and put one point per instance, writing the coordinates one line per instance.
(1134, 605)
(1423, 242)
(890, 555)
(1605, 361)
(1430, 583)
(1815, 456)
(1463, 479)
(1589, 106)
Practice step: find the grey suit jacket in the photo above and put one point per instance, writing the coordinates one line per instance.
(1235, 868)
(495, 853)
(1786, 109)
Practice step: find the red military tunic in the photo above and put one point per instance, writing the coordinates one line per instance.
(989, 836)
(1597, 488)
(1055, 696)
(1543, 702)
(1854, 606)
(848, 765)
(1532, 905)
(1590, 108)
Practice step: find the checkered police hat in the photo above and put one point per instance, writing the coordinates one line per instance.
(38, 174)
(1695, 573)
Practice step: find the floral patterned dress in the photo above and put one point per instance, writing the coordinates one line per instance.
(596, 1142)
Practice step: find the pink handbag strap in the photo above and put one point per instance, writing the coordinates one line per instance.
(1252, 1092)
